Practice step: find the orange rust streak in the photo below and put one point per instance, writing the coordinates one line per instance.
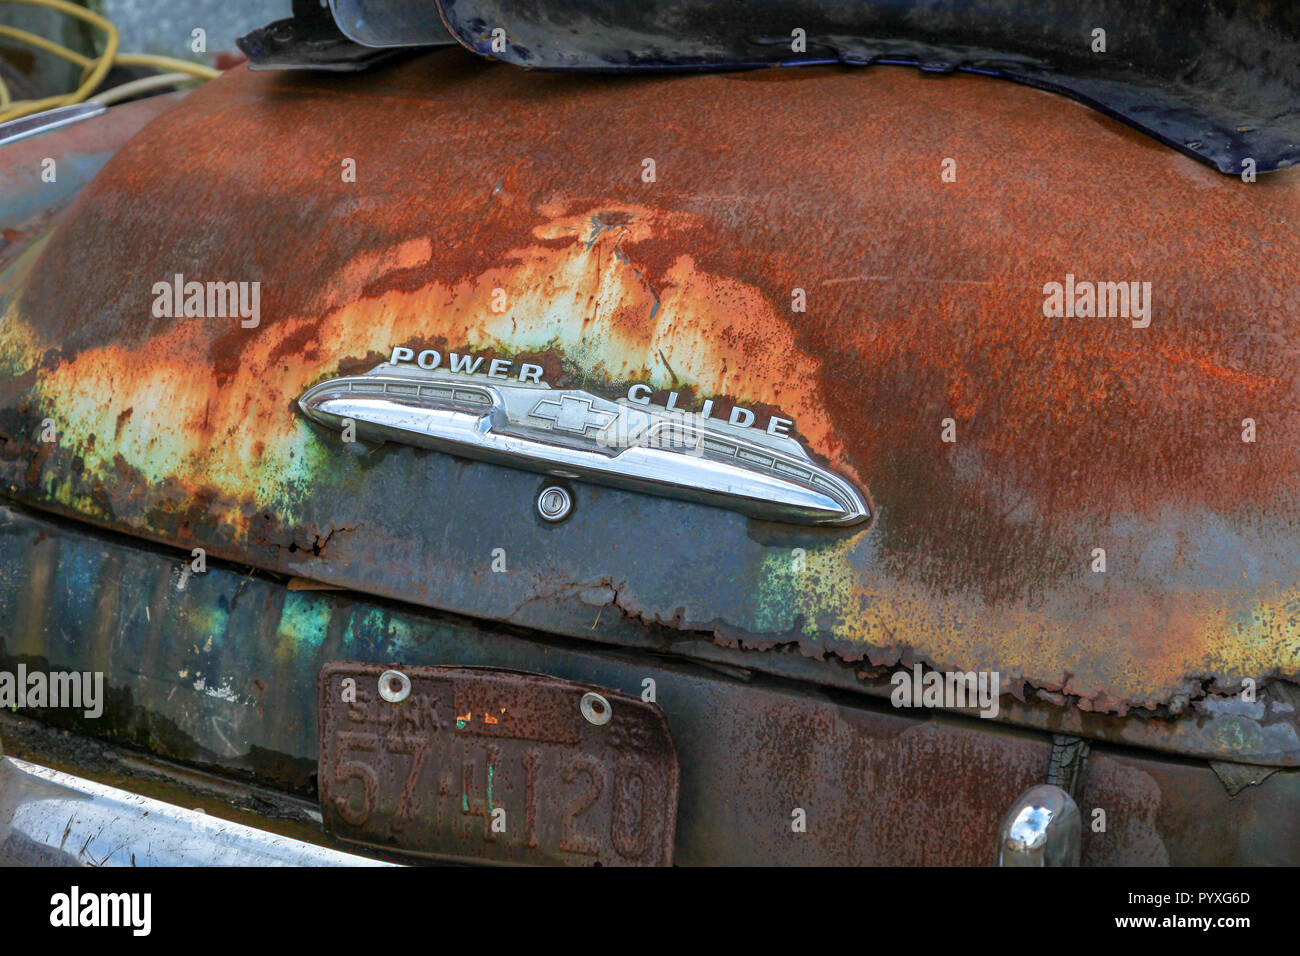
(581, 268)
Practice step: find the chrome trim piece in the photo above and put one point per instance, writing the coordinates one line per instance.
(47, 120)
(50, 818)
(569, 433)
(1042, 828)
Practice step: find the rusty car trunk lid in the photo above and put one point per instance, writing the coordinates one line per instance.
(797, 252)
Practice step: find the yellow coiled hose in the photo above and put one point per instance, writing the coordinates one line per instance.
(93, 69)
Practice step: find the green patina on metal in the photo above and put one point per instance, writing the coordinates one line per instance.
(304, 622)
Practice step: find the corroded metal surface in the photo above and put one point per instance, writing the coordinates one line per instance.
(39, 176)
(1171, 813)
(482, 763)
(924, 303)
(220, 669)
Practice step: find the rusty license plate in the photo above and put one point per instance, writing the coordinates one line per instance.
(486, 764)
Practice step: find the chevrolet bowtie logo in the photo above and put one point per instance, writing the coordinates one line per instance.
(572, 414)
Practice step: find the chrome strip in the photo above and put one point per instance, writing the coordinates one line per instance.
(43, 122)
(50, 818)
(570, 433)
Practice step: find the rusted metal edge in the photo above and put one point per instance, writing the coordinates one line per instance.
(321, 514)
(219, 670)
(1209, 732)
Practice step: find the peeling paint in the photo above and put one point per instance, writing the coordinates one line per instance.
(925, 304)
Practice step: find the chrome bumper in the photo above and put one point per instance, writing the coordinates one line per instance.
(50, 818)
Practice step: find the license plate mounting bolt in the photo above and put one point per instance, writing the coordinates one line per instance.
(596, 709)
(394, 686)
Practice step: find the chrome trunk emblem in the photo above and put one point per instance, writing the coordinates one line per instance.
(570, 433)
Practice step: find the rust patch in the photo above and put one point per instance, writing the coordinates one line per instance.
(924, 303)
